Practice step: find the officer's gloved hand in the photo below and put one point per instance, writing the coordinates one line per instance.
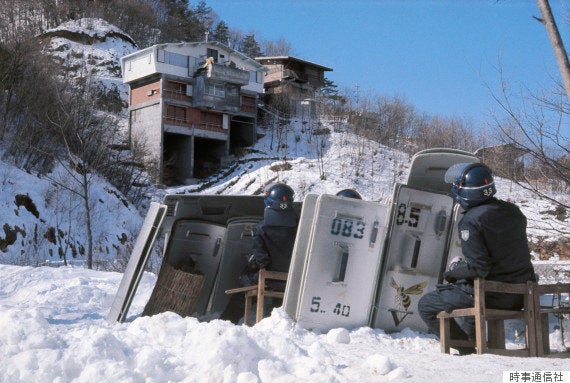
(449, 277)
(253, 265)
(457, 273)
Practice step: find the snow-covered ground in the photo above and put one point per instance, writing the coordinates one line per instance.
(53, 329)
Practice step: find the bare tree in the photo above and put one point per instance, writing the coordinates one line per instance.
(281, 47)
(556, 41)
(536, 127)
(86, 148)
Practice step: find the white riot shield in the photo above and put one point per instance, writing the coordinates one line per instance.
(237, 246)
(201, 242)
(414, 258)
(344, 256)
(299, 256)
(135, 268)
(455, 252)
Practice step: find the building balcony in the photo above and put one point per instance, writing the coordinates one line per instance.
(290, 74)
(228, 104)
(219, 72)
(176, 95)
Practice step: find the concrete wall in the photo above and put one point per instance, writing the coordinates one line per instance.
(146, 127)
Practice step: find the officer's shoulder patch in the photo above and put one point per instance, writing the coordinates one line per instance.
(465, 235)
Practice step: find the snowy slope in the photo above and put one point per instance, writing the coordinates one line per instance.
(89, 47)
(43, 223)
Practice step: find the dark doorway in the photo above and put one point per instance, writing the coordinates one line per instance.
(242, 133)
(177, 159)
(207, 156)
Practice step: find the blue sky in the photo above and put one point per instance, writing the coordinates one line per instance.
(438, 55)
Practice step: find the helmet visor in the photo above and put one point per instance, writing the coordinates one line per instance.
(454, 172)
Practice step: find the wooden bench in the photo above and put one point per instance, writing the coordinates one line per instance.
(557, 307)
(260, 291)
(489, 323)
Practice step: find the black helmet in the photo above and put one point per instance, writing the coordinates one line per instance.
(349, 193)
(279, 197)
(472, 183)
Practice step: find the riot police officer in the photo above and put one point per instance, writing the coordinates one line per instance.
(494, 246)
(273, 240)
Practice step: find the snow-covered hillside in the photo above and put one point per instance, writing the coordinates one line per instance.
(44, 223)
(324, 163)
(347, 161)
(89, 47)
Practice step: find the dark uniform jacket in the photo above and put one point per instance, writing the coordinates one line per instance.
(495, 246)
(273, 245)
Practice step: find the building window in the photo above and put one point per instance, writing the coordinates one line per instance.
(172, 58)
(177, 87)
(212, 53)
(217, 90)
(232, 90)
(176, 113)
(255, 76)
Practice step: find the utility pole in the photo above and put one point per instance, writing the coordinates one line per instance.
(556, 41)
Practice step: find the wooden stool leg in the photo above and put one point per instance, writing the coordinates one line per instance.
(544, 329)
(444, 334)
(260, 296)
(496, 329)
(247, 311)
(480, 334)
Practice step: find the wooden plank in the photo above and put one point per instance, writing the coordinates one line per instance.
(509, 352)
(241, 289)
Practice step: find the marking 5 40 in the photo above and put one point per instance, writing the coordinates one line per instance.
(338, 309)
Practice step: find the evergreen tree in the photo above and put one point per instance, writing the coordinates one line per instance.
(250, 47)
(203, 14)
(329, 90)
(221, 33)
(182, 23)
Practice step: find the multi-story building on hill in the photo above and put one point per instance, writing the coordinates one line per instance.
(191, 105)
(290, 83)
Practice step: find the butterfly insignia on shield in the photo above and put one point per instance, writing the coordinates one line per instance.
(465, 235)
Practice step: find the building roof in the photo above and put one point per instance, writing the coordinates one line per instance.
(511, 149)
(290, 58)
(247, 59)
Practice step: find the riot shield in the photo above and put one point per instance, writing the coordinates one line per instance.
(343, 260)
(454, 252)
(197, 243)
(299, 256)
(237, 246)
(137, 261)
(414, 258)
(428, 167)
